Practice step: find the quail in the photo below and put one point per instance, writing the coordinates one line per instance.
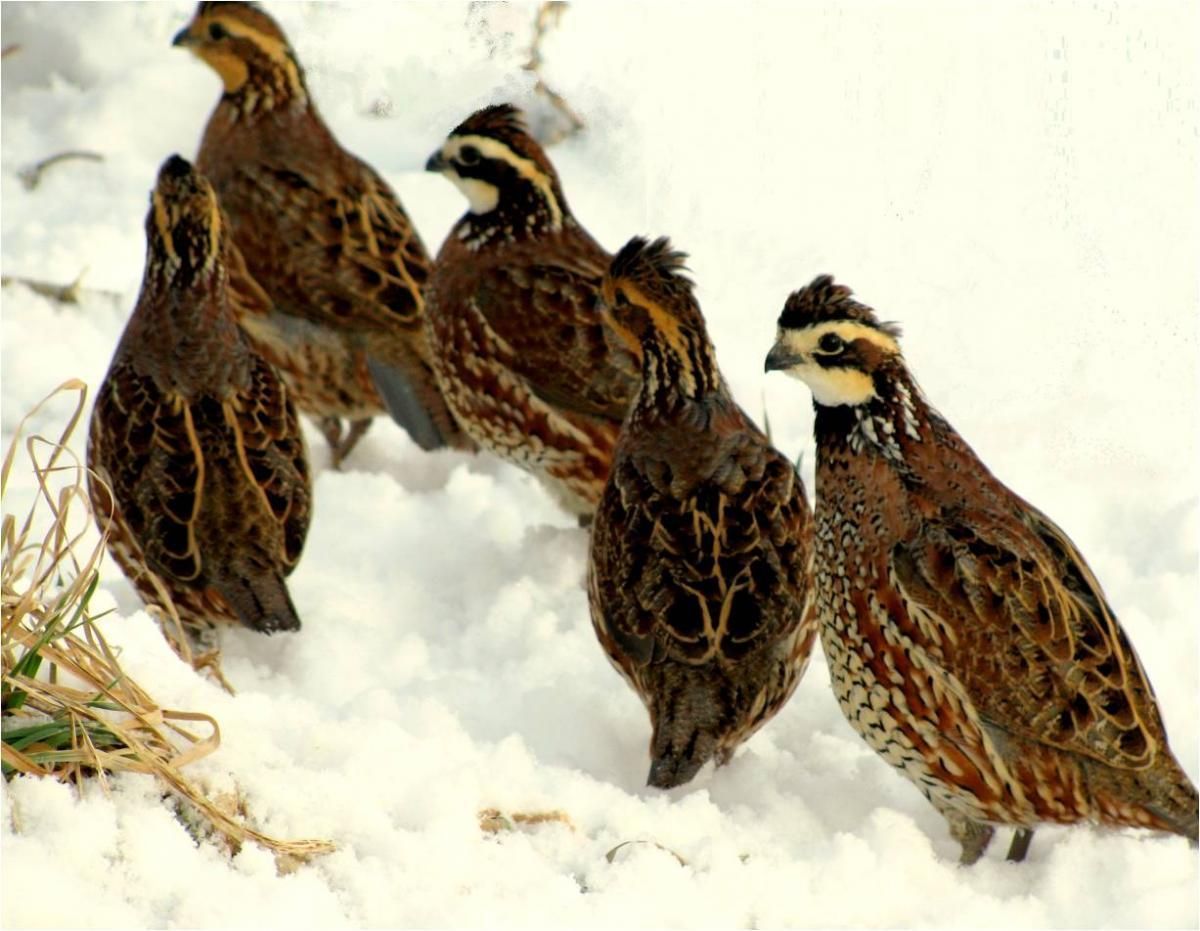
(523, 357)
(323, 238)
(968, 641)
(700, 545)
(197, 464)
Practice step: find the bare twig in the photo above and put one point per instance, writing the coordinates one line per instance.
(10, 50)
(612, 854)
(63, 293)
(548, 15)
(32, 176)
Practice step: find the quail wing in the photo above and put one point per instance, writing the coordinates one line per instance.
(548, 311)
(1072, 680)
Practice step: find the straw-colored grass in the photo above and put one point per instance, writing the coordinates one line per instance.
(69, 710)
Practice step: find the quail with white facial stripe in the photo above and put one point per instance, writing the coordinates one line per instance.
(330, 290)
(524, 358)
(968, 641)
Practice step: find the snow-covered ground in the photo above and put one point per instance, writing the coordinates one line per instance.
(1017, 184)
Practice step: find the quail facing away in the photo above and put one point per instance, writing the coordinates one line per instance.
(968, 642)
(698, 581)
(195, 446)
(524, 359)
(323, 235)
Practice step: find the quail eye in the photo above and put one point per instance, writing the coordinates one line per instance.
(217, 32)
(831, 342)
(468, 155)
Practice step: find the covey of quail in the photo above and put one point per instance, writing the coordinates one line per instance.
(523, 357)
(700, 547)
(336, 270)
(195, 449)
(968, 641)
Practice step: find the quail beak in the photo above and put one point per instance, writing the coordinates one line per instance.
(437, 162)
(780, 359)
(183, 38)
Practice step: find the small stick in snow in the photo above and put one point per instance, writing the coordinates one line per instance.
(493, 821)
(63, 293)
(32, 176)
(612, 854)
(10, 50)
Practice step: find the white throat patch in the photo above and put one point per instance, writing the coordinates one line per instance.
(481, 196)
(834, 387)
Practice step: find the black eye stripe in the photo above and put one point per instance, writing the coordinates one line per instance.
(469, 155)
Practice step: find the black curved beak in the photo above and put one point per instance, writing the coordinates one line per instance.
(437, 162)
(182, 38)
(779, 359)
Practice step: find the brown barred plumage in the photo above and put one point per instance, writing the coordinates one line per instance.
(700, 547)
(330, 290)
(523, 357)
(195, 448)
(968, 641)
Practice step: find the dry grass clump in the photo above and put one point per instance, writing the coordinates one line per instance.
(69, 710)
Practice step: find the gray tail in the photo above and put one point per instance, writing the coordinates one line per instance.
(405, 406)
(1175, 799)
(672, 769)
(261, 603)
(1163, 791)
(688, 718)
(1187, 809)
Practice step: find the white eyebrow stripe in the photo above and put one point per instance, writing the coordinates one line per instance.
(525, 167)
(850, 331)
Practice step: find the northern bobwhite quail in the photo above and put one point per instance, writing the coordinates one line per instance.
(322, 234)
(522, 355)
(195, 448)
(698, 581)
(968, 641)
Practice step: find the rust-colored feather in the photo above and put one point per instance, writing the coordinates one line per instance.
(525, 361)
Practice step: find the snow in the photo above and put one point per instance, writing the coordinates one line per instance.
(1016, 184)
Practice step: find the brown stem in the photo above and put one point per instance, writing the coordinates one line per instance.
(32, 176)
(548, 15)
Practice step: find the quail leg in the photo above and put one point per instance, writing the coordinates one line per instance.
(1020, 845)
(340, 443)
(357, 429)
(973, 835)
(331, 429)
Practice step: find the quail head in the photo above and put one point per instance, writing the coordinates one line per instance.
(524, 359)
(335, 267)
(700, 545)
(968, 642)
(195, 451)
